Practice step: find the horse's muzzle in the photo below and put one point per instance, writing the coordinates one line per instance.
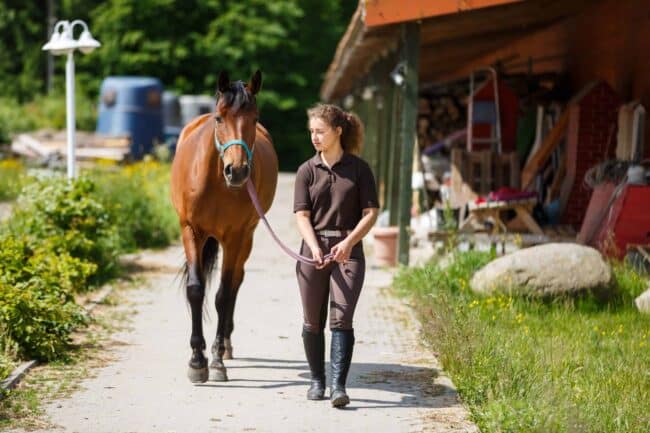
(236, 176)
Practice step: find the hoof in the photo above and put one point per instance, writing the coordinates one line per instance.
(197, 375)
(227, 354)
(218, 374)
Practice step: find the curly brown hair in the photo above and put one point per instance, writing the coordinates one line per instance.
(351, 126)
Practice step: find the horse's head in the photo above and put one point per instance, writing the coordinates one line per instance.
(235, 126)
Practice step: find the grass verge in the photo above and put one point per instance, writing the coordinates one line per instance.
(523, 365)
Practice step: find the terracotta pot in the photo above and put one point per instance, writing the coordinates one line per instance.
(385, 247)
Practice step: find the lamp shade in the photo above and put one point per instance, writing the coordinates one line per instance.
(87, 43)
(60, 43)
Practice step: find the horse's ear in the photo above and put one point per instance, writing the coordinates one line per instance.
(224, 82)
(256, 82)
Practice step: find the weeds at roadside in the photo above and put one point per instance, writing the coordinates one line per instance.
(526, 365)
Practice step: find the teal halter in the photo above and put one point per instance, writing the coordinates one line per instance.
(222, 147)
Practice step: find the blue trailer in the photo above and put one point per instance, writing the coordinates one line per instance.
(132, 106)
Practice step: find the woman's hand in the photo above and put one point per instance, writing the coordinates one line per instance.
(317, 254)
(341, 251)
(303, 219)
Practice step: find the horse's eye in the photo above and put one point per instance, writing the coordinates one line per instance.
(218, 119)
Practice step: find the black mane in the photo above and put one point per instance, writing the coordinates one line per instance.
(237, 97)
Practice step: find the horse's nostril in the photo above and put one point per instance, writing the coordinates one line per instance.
(228, 170)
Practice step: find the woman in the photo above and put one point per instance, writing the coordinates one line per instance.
(335, 202)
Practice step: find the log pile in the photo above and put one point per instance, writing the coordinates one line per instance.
(438, 117)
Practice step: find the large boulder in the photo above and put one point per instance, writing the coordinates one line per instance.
(643, 302)
(545, 270)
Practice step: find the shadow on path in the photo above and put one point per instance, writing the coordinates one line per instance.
(414, 385)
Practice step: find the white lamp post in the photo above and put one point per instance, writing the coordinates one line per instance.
(63, 42)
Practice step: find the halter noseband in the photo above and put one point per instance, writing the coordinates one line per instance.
(222, 147)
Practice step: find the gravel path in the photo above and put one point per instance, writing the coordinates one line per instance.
(391, 384)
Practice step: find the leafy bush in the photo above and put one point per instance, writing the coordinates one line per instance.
(66, 218)
(12, 178)
(49, 111)
(13, 119)
(37, 308)
(45, 111)
(64, 237)
(137, 198)
(6, 362)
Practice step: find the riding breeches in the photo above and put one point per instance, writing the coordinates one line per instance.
(341, 283)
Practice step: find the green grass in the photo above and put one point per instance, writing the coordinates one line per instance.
(523, 365)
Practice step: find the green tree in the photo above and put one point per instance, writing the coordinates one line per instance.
(186, 43)
(22, 63)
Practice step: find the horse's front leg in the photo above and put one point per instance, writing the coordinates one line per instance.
(217, 368)
(232, 275)
(195, 291)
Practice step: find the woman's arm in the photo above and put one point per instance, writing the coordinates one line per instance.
(341, 251)
(307, 232)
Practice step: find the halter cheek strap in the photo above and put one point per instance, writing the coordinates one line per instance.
(222, 147)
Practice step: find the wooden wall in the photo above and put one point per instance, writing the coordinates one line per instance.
(611, 41)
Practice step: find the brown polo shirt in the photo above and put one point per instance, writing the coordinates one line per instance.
(335, 196)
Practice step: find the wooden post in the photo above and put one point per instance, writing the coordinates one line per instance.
(371, 131)
(384, 113)
(361, 109)
(380, 175)
(387, 143)
(411, 50)
(394, 157)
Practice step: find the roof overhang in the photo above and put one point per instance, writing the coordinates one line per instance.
(449, 39)
(359, 48)
(382, 12)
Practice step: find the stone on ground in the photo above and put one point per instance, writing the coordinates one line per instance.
(643, 302)
(553, 269)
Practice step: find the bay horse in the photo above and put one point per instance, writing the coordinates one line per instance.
(214, 160)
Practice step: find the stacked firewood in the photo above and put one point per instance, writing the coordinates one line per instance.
(439, 116)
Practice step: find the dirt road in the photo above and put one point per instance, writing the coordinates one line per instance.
(391, 385)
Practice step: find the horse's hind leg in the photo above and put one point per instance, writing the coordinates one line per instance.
(198, 365)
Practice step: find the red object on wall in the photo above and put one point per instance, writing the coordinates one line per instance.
(508, 106)
(626, 222)
(591, 139)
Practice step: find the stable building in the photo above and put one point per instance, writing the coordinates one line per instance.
(518, 114)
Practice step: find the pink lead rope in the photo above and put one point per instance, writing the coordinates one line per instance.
(253, 194)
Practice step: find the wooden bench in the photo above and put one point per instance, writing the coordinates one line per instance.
(491, 210)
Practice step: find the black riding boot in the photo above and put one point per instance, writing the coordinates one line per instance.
(341, 357)
(315, 353)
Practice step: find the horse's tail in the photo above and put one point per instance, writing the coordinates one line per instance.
(209, 257)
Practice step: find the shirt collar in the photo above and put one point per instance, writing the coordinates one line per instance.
(345, 160)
